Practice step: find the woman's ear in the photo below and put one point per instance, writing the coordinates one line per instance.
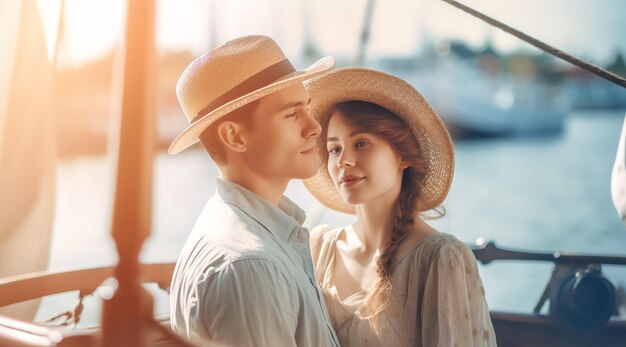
(230, 133)
(403, 164)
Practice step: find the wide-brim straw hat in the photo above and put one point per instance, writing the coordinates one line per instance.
(399, 97)
(233, 75)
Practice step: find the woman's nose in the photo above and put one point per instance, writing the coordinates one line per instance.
(345, 160)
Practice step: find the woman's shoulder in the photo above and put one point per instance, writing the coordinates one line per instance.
(443, 240)
(444, 255)
(324, 232)
(443, 246)
(320, 236)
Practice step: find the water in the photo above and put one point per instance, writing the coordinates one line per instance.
(539, 194)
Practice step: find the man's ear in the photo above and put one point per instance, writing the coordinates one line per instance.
(230, 133)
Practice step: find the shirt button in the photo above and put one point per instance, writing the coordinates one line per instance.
(302, 234)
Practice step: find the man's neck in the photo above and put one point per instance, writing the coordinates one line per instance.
(269, 188)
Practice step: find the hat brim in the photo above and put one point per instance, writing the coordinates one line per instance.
(191, 134)
(399, 97)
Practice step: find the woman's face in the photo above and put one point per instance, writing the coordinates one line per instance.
(363, 166)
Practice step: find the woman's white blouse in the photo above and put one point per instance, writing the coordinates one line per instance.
(438, 299)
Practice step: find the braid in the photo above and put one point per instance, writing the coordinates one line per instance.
(404, 209)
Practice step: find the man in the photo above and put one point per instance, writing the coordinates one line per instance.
(245, 275)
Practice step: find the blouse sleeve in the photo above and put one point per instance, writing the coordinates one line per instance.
(454, 309)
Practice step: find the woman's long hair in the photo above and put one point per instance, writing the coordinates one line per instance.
(376, 120)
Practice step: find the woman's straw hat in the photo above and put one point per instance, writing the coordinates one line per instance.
(399, 97)
(233, 75)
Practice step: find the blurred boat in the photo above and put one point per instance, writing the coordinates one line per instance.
(587, 91)
(593, 93)
(474, 104)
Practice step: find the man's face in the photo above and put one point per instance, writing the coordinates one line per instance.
(282, 139)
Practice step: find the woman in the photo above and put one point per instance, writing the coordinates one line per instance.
(390, 279)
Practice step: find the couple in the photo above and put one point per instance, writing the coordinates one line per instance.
(251, 275)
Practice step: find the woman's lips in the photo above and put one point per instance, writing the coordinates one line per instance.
(350, 181)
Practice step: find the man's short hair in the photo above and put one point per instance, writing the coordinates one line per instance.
(211, 141)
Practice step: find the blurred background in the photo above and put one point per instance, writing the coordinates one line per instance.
(535, 137)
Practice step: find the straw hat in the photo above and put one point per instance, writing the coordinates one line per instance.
(398, 97)
(233, 75)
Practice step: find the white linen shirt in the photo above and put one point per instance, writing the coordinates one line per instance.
(245, 276)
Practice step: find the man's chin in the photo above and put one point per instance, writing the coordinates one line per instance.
(305, 174)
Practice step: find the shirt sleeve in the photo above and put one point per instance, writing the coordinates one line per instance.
(248, 303)
(618, 176)
(454, 310)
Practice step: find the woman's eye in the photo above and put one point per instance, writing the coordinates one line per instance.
(333, 150)
(361, 144)
(291, 115)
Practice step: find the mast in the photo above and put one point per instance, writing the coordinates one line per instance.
(127, 315)
(365, 33)
(212, 26)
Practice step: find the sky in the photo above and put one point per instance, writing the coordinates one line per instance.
(592, 30)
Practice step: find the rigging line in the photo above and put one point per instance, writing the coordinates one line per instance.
(620, 81)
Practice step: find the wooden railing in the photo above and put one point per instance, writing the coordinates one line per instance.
(37, 285)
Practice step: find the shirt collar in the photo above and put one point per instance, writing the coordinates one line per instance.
(279, 220)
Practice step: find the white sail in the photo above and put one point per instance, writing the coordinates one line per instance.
(27, 148)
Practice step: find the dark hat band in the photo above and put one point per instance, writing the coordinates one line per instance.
(254, 82)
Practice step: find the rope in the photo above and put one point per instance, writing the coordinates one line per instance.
(620, 81)
(71, 317)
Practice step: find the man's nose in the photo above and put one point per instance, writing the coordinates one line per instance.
(312, 127)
